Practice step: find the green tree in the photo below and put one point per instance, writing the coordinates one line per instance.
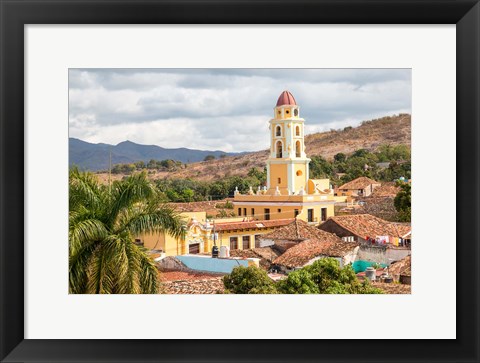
(103, 222)
(248, 280)
(209, 157)
(403, 202)
(325, 277)
(340, 158)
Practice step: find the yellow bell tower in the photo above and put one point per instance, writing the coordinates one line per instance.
(287, 165)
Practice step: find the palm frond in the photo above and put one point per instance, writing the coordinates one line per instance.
(84, 231)
(153, 220)
(84, 190)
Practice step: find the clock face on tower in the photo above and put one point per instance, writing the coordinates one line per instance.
(295, 112)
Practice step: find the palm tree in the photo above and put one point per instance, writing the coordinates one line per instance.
(103, 222)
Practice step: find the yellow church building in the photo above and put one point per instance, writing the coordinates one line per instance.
(289, 192)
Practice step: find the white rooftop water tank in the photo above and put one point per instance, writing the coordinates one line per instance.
(224, 252)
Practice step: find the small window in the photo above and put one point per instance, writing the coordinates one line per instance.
(233, 243)
(257, 240)
(279, 180)
(310, 215)
(299, 173)
(267, 214)
(245, 211)
(278, 131)
(239, 211)
(324, 214)
(295, 112)
(279, 210)
(295, 214)
(287, 112)
(246, 242)
(279, 149)
(297, 149)
(253, 212)
(297, 130)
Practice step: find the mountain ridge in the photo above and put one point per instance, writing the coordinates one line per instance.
(96, 157)
(370, 135)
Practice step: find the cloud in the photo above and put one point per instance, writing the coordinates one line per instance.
(226, 109)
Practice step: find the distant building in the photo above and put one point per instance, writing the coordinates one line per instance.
(368, 229)
(202, 234)
(360, 187)
(301, 244)
(289, 193)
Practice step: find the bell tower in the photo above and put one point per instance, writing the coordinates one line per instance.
(287, 165)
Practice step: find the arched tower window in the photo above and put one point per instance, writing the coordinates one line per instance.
(279, 149)
(297, 131)
(278, 131)
(297, 149)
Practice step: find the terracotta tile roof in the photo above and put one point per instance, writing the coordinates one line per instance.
(184, 275)
(204, 286)
(393, 288)
(364, 225)
(232, 226)
(265, 254)
(402, 267)
(388, 189)
(359, 183)
(303, 252)
(296, 230)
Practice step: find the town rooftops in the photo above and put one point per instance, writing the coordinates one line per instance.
(299, 255)
(401, 267)
(233, 226)
(359, 183)
(363, 225)
(286, 98)
(388, 189)
(296, 230)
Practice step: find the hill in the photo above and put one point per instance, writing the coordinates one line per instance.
(96, 157)
(394, 130)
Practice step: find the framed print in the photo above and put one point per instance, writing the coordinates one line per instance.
(274, 221)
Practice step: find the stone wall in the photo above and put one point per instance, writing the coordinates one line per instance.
(382, 254)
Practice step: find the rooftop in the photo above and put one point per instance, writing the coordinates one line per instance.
(299, 255)
(286, 98)
(366, 225)
(402, 267)
(232, 226)
(297, 230)
(359, 183)
(388, 189)
(201, 286)
(265, 254)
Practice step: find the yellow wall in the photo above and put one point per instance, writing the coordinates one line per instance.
(300, 180)
(279, 171)
(288, 211)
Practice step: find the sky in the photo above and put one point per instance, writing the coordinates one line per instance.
(224, 109)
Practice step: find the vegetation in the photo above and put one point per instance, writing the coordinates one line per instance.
(159, 165)
(341, 169)
(248, 280)
(322, 277)
(364, 163)
(209, 157)
(403, 202)
(190, 190)
(103, 222)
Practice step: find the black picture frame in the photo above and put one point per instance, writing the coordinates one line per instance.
(15, 14)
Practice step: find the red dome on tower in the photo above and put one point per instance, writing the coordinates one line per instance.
(286, 98)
